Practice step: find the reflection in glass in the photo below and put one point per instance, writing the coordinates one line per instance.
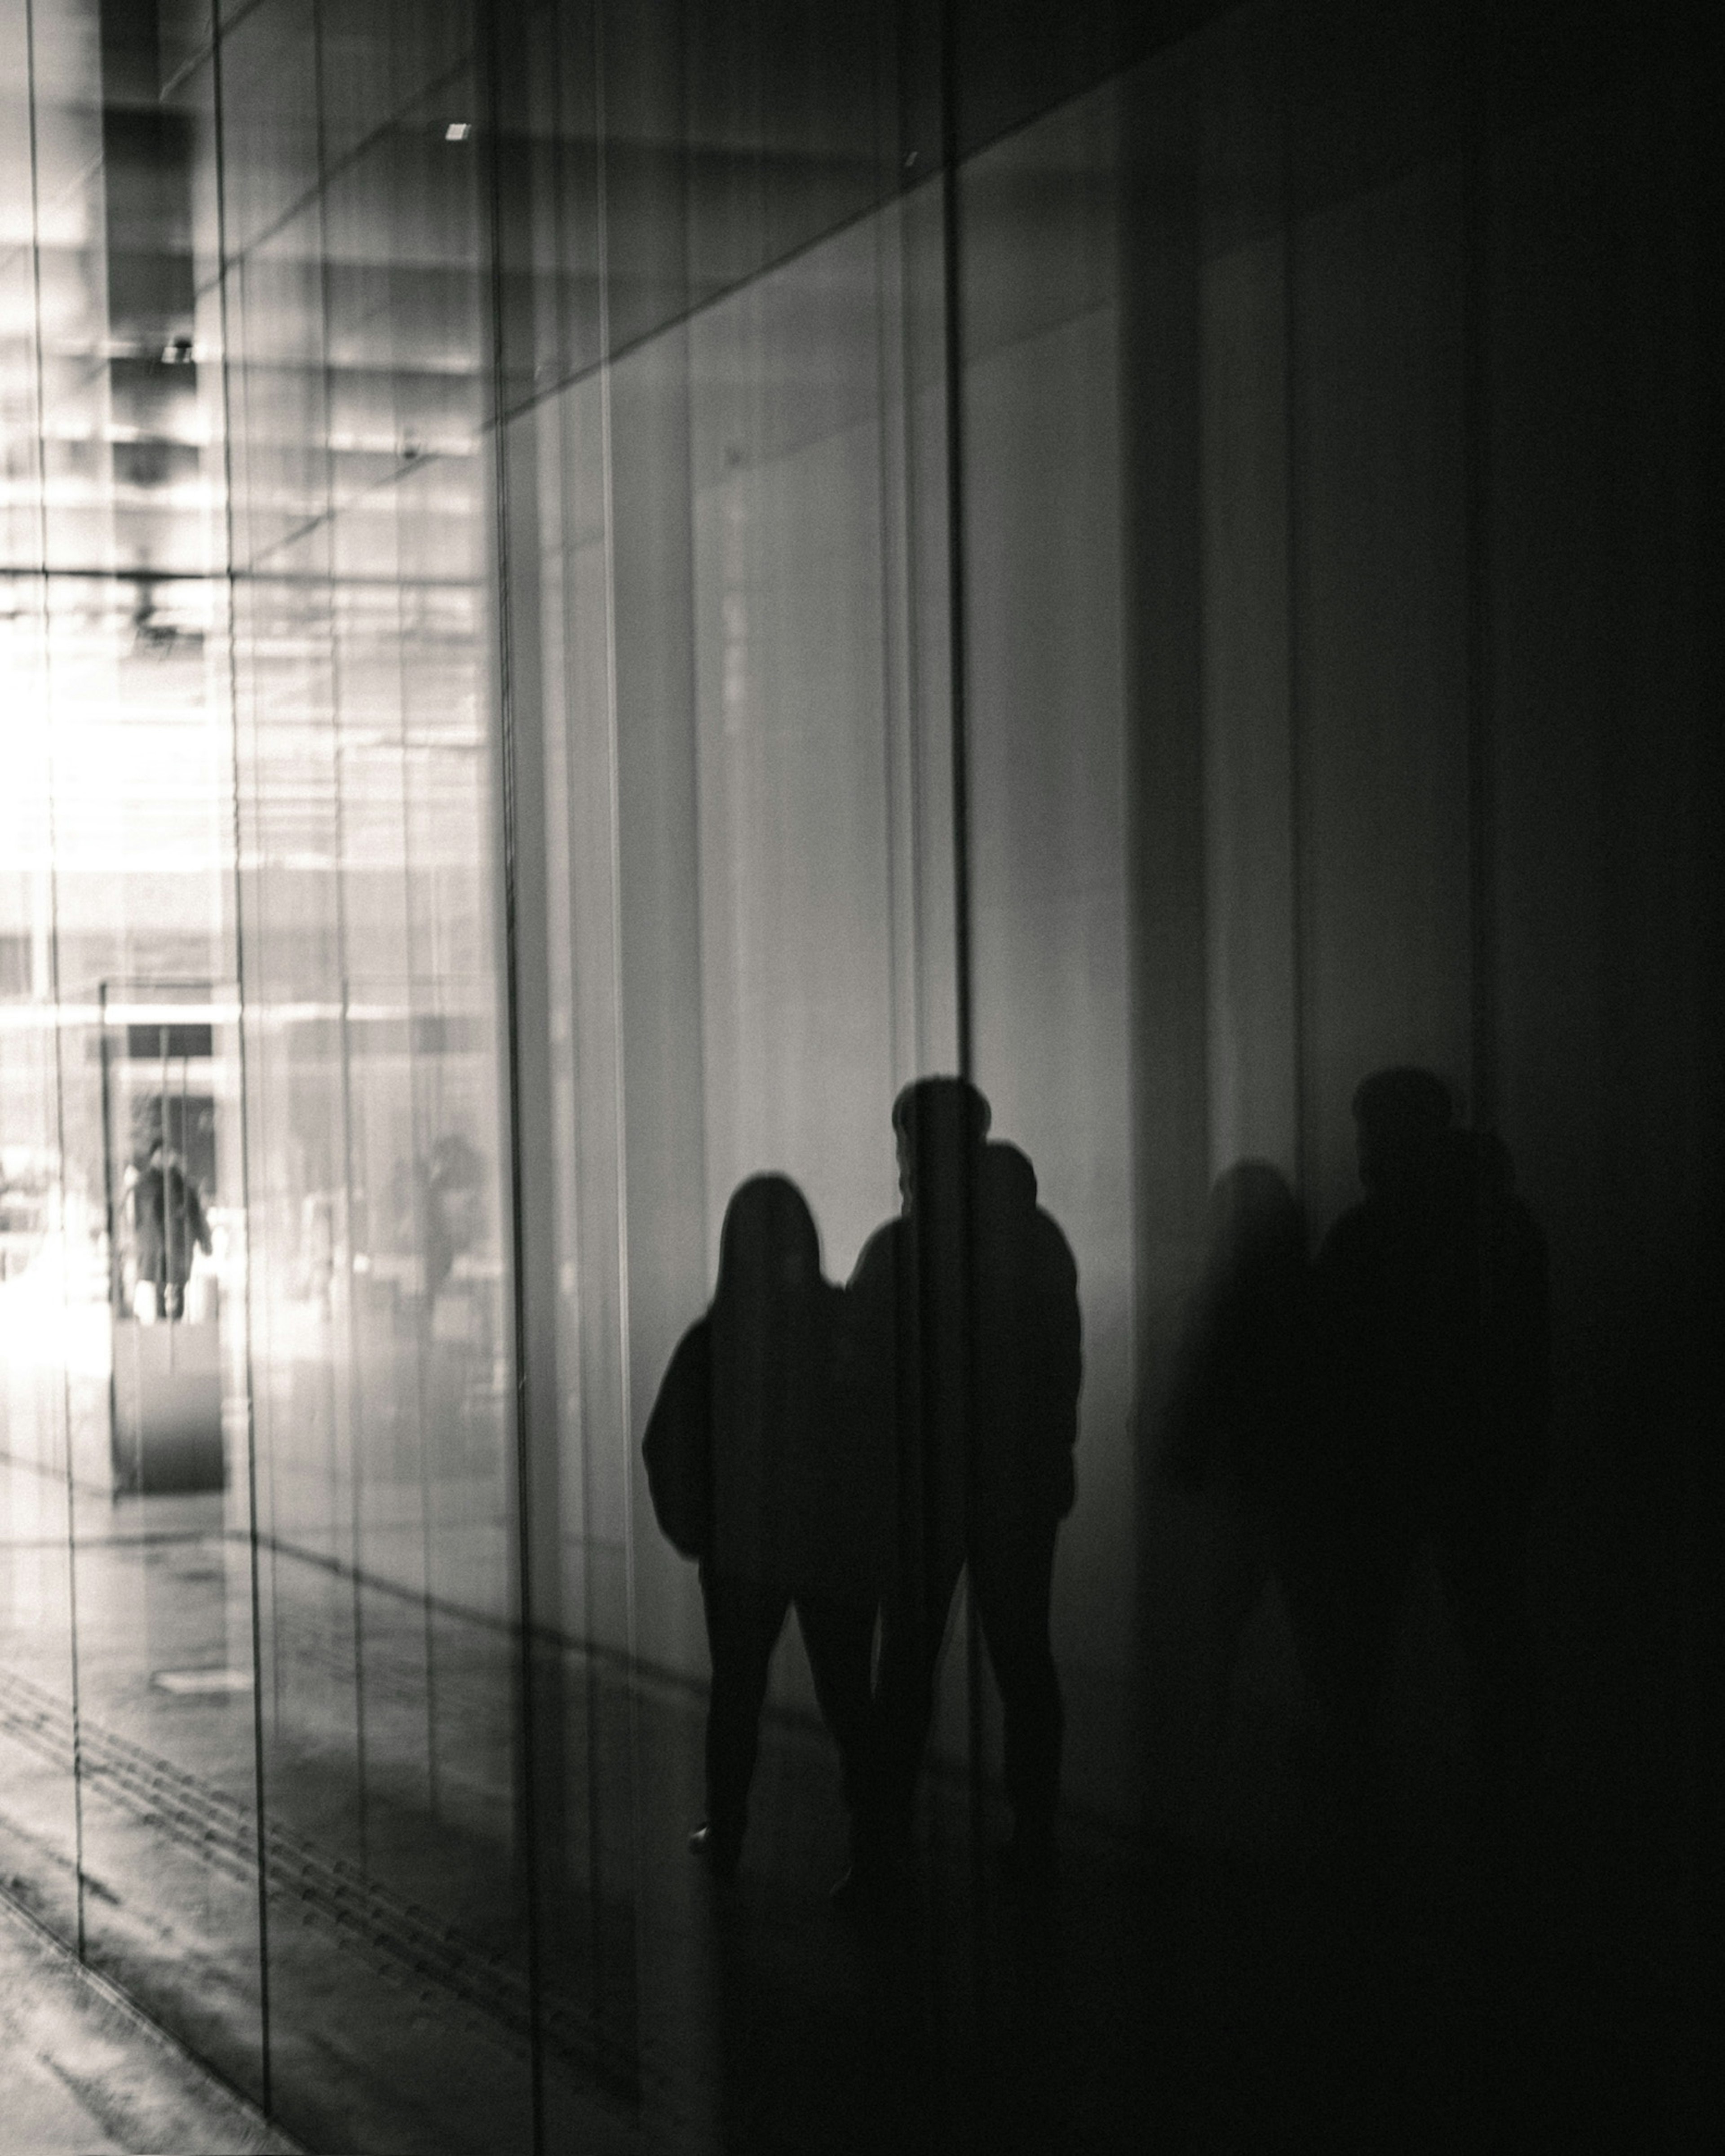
(578, 613)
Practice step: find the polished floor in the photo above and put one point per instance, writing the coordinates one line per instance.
(82, 2073)
(1275, 1983)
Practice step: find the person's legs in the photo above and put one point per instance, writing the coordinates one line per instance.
(1012, 1575)
(839, 1636)
(913, 1624)
(743, 1621)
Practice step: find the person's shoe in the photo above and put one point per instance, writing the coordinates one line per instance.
(718, 1852)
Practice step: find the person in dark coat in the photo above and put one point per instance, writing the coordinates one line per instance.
(757, 1464)
(170, 1226)
(1433, 1309)
(968, 1323)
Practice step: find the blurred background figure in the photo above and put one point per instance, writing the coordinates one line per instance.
(757, 1464)
(168, 1229)
(1434, 1333)
(1235, 1420)
(454, 1184)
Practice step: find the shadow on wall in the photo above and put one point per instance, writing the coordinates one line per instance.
(851, 1453)
(1344, 1420)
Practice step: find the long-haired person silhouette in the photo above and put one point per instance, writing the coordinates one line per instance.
(756, 1468)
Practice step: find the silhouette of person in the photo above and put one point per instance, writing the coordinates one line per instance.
(1434, 1321)
(451, 1180)
(170, 1226)
(967, 1321)
(755, 1463)
(1236, 1418)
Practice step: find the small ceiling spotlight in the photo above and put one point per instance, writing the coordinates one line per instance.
(458, 131)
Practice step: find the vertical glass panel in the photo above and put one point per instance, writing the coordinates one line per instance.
(51, 1242)
(1049, 896)
(166, 1673)
(377, 1155)
(728, 644)
(120, 1068)
(45, 109)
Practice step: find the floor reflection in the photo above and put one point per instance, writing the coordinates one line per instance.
(1167, 1991)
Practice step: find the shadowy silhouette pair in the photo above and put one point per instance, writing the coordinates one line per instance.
(1394, 1393)
(848, 1453)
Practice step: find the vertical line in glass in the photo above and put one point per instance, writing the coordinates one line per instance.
(417, 1130)
(349, 1293)
(229, 588)
(890, 223)
(52, 942)
(115, 1276)
(163, 1311)
(614, 810)
(1291, 571)
(1476, 541)
(511, 809)
(618, 1061)
(952, 357)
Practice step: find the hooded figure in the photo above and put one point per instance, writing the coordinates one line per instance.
(966, 1313)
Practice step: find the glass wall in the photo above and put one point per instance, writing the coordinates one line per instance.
(589, 592)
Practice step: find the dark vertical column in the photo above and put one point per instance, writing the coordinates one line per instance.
(146, 152)
(146, 156)
(1475, 423)
(1605, 574)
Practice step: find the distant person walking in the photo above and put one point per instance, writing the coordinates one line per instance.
(968, 1325)
(755, 1460)
(169, 1226)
